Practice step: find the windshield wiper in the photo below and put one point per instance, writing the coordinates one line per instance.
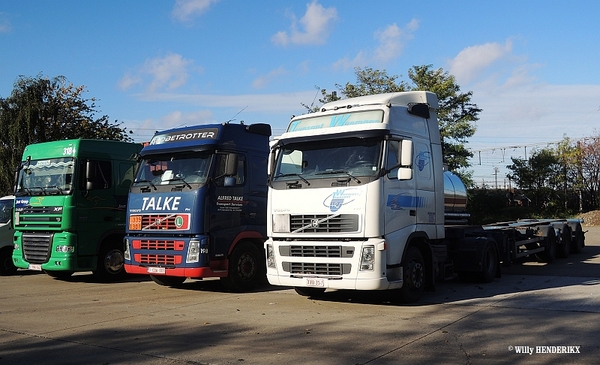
(339, 172)
(294, 174)
(146, 181)
(181, 179)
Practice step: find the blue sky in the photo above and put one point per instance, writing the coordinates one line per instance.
(532, 65)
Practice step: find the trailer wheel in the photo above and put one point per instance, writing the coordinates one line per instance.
(172, 281)
(578, 240)
(6, 263)
(549, 253)
(246, 268)
(489, 263)
(110, 265)
(414, 276)
(564, 249)
(309, 292)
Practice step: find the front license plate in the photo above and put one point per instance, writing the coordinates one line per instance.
(315, 282)
(156, 270)
(35, 267)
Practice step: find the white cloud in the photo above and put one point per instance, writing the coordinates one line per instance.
(390, 44)
(263, 80)
(185, 10)
(181, 119)
(392, 40)
(472, 61)
(168, 72)
(313, 28)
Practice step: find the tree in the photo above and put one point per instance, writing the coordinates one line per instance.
(539, 176)
(589, 165)
(41, 109)
(456, 115)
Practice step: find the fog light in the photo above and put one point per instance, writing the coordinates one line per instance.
(65, 249)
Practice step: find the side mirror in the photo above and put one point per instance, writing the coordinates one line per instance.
(405, 157)
(231, 166)
(406, 153)
(90, 174)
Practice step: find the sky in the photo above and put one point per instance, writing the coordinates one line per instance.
(532, 66)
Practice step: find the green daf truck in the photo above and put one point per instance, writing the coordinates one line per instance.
(70, 199)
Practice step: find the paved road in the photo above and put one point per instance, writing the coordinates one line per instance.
(542, 308)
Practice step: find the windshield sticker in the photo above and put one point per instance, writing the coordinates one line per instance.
(340, 120)
(341, 197)
(199, 134)
(401, 201)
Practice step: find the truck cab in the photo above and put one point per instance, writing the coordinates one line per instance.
(197, 207)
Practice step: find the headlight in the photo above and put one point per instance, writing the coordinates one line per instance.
(126, 253)
(271, 257)
(367, 259)
(193, 254)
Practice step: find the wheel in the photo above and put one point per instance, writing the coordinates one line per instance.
(564, 249)
(246, 268)
(6, 263)
(172, 281)
(550, 244)
(578, 239)
(489, 262)
(414, 276)
(59, 274)
(110, 265)
(309, 292)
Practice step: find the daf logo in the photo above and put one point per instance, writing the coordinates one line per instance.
(314, 223)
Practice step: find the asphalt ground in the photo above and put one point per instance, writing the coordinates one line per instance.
(533, 314)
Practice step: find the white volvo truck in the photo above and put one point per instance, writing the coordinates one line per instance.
(359, 199)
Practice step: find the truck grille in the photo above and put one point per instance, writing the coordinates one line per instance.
(36, 247)
(316, 251)
(151, 259)
(158, 245)
(322, 223)
(306, 268)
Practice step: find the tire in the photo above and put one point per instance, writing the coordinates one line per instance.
(110, 265)
(309, 292)
(414, 276)
(550, 244)
(564, 249)
(171, 281)
(578, 240)
(6, 263)
(246, 268)
(489, 263)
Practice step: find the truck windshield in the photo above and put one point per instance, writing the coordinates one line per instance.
(46, 177)
(174, 169)
(344, 157)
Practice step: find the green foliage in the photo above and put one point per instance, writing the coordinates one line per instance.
(41, 109)
(456, 114)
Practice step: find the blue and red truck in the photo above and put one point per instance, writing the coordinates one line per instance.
(198, 206)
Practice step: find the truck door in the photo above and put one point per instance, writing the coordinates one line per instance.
(400, 195)
(228, 205)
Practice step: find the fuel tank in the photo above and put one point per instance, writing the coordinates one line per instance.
(455, 193)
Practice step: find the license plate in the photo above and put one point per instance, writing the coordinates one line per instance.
(156, 270)
(315, 282)
(35, 267)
